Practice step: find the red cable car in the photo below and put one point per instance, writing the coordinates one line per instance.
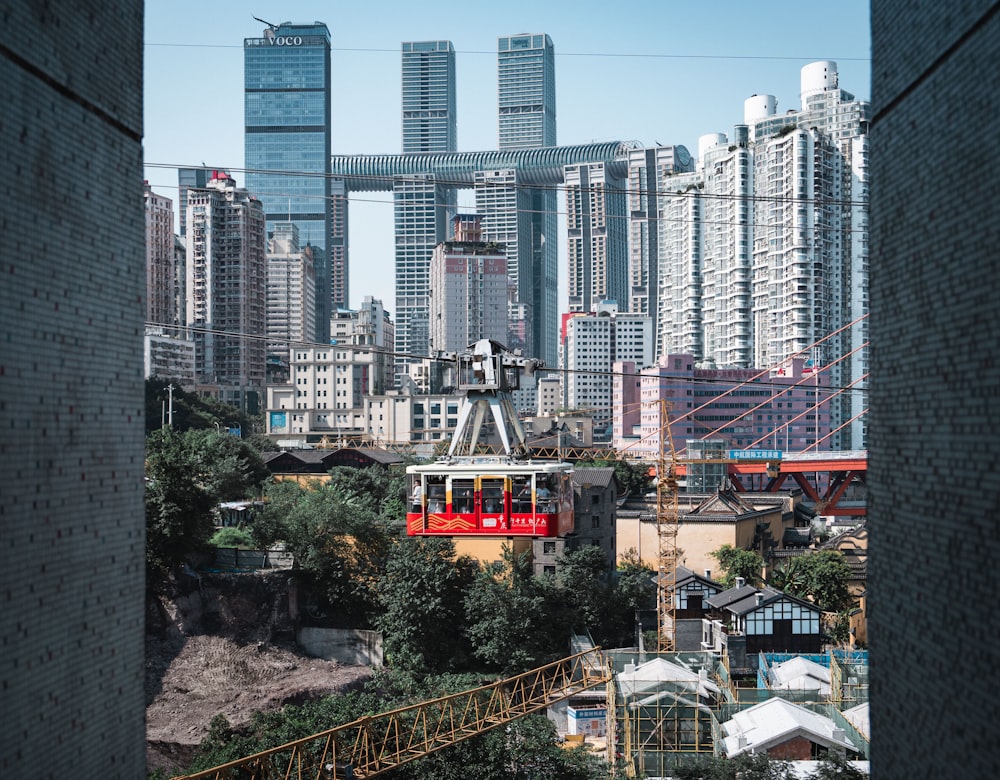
(465, 493)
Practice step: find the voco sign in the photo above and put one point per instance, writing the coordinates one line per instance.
(284, 40)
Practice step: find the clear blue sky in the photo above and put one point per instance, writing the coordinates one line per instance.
(647, 70)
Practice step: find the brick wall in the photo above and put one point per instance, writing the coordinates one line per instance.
(933, 463)
(71, 392)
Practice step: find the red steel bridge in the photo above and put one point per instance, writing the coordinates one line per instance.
(824, 477)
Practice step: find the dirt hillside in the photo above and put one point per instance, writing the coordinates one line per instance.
(223, 645)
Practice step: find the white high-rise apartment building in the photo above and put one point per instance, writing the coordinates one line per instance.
(593, 342)
(811, 236)
(647, 170)
(596, 237)
(369, 324)
(291, 291)
(680, 249)
(727, 244)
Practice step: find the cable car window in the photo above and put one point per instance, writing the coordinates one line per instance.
(461, 496)
(522, 495)
(435, 496)
(492, 496)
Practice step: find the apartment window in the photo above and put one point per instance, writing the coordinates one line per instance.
(549, 548)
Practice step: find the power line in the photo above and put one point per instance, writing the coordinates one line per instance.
(362, 348)
(599, 55)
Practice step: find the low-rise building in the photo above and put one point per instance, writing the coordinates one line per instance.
(745, 620)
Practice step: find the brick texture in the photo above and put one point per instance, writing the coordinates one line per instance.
(933, 462)
(71, 391)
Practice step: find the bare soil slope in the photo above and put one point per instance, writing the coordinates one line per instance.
(234, 670)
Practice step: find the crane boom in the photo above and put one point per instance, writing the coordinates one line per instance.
(375, 744)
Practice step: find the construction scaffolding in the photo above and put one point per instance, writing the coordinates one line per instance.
(664, 709)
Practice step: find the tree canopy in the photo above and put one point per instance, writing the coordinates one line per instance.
(421, 594)
(187, 474)
(736, 562)
(823, 577)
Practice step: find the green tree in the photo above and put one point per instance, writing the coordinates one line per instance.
(755, 766)
(178, 506)
(507, 614)
(634, 589)
(421, 593)
(833, 766)
(339, 541)
(228, 467)
(191, 411)
(822, 577)
(232, 537)
(736, 562)
(633, 477)
(585, 590)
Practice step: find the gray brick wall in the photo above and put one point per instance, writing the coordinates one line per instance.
(934, 479)
(71, 391)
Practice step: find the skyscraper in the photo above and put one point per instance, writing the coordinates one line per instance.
(468, 289)
(429, 119)
(422, 208)
(526, 112)
(597, 237)
(811, 230)
(161, 271)
(226, 289)
(422, 204)
(291, 293)
(646, 170)
(727, 244)
(526, 82)
(288, 144)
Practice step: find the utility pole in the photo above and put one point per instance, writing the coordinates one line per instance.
(170, 407)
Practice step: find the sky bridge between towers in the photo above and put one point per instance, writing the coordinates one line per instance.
(538, 167)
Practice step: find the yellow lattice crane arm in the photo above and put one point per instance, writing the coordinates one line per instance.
(374, 744)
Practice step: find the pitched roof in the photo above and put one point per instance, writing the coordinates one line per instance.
(776, 721)
(741, 601)
(659, 675)
(858, 717)
(683, 575)
(800, 674)
(599, 476)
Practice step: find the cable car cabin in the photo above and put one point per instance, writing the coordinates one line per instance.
(487, 496)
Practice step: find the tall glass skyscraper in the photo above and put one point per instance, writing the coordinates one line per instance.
(287, 113)
(429, 120)
(423, 205)
(526, 81)
(526, 86)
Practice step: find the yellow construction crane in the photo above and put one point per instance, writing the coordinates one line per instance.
(371, 745)
(666, 531)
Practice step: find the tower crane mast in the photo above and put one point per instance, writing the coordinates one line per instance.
(666, 531)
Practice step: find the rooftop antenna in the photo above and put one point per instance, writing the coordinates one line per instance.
(269, 30)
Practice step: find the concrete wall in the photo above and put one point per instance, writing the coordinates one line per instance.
(71, 390)
(934, 449)
(346, 645)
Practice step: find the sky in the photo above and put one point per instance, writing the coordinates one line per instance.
(653, 71)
